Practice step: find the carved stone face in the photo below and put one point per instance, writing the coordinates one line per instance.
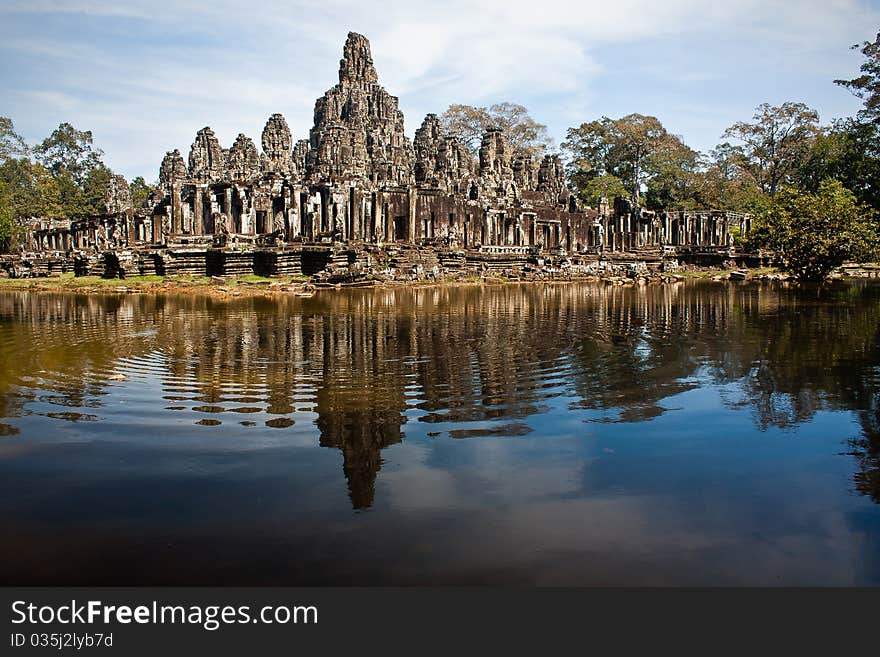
(243, 160)
(117, 196)
(173, 168)
(277, 141)
(206, 161)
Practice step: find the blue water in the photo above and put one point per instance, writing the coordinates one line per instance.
(695, 433)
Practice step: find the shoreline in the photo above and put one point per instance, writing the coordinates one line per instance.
(249, 286)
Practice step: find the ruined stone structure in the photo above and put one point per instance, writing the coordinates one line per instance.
(359, 183)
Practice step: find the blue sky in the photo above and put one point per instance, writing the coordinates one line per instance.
(144, 75)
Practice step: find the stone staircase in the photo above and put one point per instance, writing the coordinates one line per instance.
(288, 263)
(453, 262)
(185, 263)
(413, 261)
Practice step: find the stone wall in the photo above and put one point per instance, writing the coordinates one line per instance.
(358, 180)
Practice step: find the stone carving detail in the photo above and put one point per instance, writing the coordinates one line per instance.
(277, 146)
(456, 157)
(495, 155)
(206, 158)
(358, 131)
(427, 151)
(358, 179)
(551, 179)
(117, 196)
(173, 169)
(301, 154)
(525, 173)
(356, 64)
(243, 160)
(440, 160)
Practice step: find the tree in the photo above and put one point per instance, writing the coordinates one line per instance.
(48, 194)
(594, 189)
(20, 178)
(11, 143)
(94, 187)
(527, 137)
(867, 85)
(816, 233)
(7, 220)
(467, 123)
(140, 192)
(69, 181)
(637, 150)
(68, 151)
(776, 144)
(675, 181)
(727, 183)
(849, 152)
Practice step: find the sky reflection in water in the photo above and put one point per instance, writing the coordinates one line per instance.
(558, 434)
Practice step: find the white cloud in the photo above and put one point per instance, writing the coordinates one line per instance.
(167, 68)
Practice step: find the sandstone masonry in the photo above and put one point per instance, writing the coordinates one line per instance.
(359, 199)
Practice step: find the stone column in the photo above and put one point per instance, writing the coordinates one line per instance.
(293, 222)
(227, 209)
(411, 207)
(376, 219)
(176, 210)
(198, 222)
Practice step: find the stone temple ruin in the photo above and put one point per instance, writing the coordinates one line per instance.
(359, 200)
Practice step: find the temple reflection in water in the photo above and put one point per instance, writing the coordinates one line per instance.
(362, 366)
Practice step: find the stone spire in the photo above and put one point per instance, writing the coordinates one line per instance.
(301, 154)
(206, 161)
(358, 131)
(427, 150)
(356, 64)
(117, 196)
(173, 169)
(440, 160)
(243, 159)
(495, 155)
(551, 178)
(277, 145)
(525, 172)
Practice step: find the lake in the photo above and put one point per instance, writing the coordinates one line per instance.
(553, 434)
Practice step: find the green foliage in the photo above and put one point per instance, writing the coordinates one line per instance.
(48, 195)
(69, 181)
(94, 186)
(527, 137)
(21, 179)
(816, 233)
(140, 192)
(637, 150)
(7, 220)
(867, 85)
(676, 181)
(68, 151)
(70, 197)
(848, 152)
(591, 190)
(725, 182)
(746, 196)
(11, 143)
(775, 144)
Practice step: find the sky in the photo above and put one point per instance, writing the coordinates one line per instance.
(145, 75)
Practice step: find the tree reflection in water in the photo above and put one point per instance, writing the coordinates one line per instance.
(474, 361)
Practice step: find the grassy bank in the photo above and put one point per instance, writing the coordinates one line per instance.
(249, 284)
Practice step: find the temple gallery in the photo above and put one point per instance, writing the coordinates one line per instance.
(359, 199)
